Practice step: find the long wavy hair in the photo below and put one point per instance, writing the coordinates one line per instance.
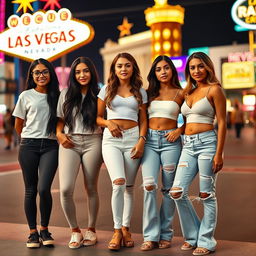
(113, 81)
(210, 79)
(53, 91)
(154, 83)
(74, 103)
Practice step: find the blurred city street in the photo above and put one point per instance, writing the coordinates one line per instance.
(236, 227)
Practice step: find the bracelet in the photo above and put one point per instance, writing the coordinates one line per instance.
(143, 137)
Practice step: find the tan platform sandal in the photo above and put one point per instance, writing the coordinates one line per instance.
(116, 241)
(127, 238)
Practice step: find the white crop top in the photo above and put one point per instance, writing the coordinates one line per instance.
(200, 112)
(164, 108)
(123, 108)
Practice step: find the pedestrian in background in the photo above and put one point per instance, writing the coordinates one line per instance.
(8, 125)
(35, 122)
(237, 118)
(202, 152)
(125, 100)
(80, 144)
(162, 152)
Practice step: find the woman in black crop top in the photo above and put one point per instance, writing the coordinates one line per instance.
(202, 152)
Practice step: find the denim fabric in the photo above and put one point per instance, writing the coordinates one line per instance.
(117, 157)
(38, 159)
(164, 155)
(197, 156)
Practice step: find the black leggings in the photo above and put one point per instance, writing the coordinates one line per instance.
(38, 159)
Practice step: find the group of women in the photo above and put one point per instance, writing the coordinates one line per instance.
(139, 128)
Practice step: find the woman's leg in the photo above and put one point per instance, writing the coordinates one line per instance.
(91, 163)
(207, 181)
(150, 170)
(69, 162)
(185, 173)
(47, 169)
(29, 162)
(169, 160)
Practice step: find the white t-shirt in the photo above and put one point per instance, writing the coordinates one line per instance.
(123, 108)
(78, 127)
(33, 108)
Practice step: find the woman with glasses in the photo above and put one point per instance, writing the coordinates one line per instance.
(35, 122)
(80, 144)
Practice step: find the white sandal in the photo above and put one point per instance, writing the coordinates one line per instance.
(90, 238)
(76, 240)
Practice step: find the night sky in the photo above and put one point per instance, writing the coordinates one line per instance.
(207, 23)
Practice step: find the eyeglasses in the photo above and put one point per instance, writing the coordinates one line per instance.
(37, 73)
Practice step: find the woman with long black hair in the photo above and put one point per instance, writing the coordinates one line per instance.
(80, 144)
(35, 122)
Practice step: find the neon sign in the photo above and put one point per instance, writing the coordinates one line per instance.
(46, 35)
(243, 13)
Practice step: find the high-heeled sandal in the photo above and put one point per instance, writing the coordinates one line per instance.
(127, 238)
(116, 241)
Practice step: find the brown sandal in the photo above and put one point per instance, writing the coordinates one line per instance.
(148, 245)
(164, 244)
(187, 246)
(116, 241)
(201, 251)
(127, 238)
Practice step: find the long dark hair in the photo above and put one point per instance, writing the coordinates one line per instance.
(53, 91)
(113, 81)
(73, 100)
(154, 83)
(211, 78)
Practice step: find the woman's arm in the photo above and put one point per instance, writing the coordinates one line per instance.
(18, 125)
(138, 149)
(61, 136)
(219, 101)
(115, 130)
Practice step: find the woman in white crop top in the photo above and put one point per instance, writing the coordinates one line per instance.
(80, 145)
(35, 122)
(202, 152)
(162, 152)
(123, 139)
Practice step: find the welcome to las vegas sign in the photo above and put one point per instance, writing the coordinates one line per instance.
(47, 35)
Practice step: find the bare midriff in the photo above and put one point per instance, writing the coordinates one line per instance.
(125, 124)
(161, 123)
(193, 128)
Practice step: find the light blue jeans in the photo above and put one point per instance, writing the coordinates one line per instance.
(159, 154)
(117, 157)
(197, 156)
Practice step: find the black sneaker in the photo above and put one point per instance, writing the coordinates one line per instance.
(33, 240)
(46, 238)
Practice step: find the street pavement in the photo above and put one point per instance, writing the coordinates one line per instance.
(235, 232)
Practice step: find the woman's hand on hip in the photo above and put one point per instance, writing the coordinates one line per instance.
(114, 129)
(64, 140)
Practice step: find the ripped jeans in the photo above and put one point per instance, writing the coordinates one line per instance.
(197, 156)
(117, 157)
(159, 154)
